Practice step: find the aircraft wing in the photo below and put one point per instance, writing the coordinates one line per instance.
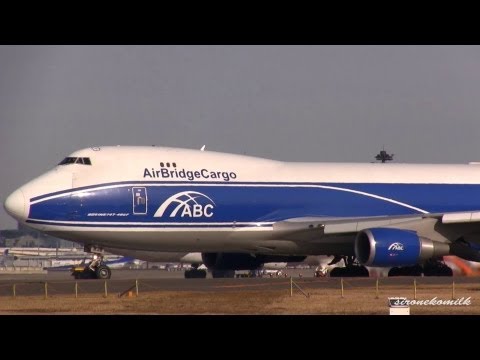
(461, 217)
(345, 225)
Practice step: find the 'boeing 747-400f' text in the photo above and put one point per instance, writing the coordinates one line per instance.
(240, 211)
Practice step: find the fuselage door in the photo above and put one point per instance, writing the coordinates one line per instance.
(72, 212)
(139, 200)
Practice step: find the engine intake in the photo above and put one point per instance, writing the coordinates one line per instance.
(395, 247)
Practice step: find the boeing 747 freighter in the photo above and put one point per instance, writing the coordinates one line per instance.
(241, 211)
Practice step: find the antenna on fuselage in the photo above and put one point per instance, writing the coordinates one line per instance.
(202, 148)
(383, 156)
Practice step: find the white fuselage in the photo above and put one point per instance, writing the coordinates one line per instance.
(167, 199)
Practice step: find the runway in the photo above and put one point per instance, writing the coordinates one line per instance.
(61, 283)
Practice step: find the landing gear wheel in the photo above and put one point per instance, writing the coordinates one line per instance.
(103, 272)
(195, 274)
(357, 271)
(362, 271)
(337, 272)
(223, 274)
(352, 268)
(446, 271)
(350, 271)
(415, 270)
(395, 271)
(437, 269)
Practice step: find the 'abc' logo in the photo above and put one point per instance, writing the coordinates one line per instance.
(396, 247)
(187, 204)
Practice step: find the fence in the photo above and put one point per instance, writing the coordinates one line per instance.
(122, 288)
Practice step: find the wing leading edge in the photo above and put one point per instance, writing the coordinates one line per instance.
(333, 225)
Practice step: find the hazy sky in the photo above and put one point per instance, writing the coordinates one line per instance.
(299, 103)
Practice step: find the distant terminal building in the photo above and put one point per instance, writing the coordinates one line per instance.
(24, 236)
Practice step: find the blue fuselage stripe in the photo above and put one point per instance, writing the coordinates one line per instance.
(209, 204)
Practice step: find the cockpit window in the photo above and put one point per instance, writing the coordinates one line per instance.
(68, 160)
(74, 160)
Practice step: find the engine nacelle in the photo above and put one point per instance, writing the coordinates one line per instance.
(395, 247)
(242, 261)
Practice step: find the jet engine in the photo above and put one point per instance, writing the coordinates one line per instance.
(395, 247)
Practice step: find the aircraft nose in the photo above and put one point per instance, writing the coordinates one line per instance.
(15, 205)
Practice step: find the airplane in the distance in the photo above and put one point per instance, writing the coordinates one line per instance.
(194, 259)
(240, 211)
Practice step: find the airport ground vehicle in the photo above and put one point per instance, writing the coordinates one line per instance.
(91, 270)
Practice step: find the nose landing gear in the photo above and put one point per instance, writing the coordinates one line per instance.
(94, 269)
(103, 272)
